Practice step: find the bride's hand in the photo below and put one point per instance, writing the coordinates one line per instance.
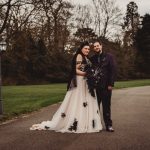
(84, 73)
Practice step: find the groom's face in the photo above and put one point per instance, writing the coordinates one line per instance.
(97, 47)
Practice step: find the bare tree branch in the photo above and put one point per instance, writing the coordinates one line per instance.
(6, 16)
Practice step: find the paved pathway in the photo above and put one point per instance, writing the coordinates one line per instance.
(131, 118)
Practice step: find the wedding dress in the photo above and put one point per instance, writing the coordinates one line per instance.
(78, 113)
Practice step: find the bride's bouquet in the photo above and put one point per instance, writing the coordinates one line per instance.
(93, 76)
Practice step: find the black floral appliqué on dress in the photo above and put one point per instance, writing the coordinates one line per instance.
(74, 126)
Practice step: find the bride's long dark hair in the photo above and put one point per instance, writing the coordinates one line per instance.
(72, 78)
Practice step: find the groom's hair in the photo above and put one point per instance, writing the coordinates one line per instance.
(97, 40)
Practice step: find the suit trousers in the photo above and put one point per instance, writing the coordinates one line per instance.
(104, 96)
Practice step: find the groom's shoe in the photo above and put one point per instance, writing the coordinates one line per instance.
(110, 129)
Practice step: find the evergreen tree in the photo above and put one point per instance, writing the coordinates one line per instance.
(18, 55)
(131, 23)
(130, 27)
(38, 59)
(143, 47)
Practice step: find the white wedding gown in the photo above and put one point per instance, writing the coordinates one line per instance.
(78, 113)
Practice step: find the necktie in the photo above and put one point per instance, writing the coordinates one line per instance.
(99, 58)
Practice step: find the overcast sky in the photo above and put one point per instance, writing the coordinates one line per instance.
(143, 5)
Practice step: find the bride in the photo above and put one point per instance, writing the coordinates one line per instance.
(79, 111)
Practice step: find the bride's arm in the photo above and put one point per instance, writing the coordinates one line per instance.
(78, 66)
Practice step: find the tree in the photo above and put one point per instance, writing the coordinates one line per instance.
(18, 54)
(36, 33)
(107, 16)
(131, 23)
(27, 61)
(143, 47)
(4, 14)
(20, 19)
(83, 16)
(38, 60)
(130, 26)
(85, 34)
(55, 15)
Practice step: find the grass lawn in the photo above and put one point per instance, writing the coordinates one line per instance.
(23, 99)
(132, 83)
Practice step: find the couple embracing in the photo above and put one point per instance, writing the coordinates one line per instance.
(80, 110)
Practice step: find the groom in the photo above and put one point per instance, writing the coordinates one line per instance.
(104, 89)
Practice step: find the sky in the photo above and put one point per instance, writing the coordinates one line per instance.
(143, 5)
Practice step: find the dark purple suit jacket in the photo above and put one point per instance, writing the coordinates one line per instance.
(108, 66)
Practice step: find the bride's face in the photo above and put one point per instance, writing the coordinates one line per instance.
(85, 50)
